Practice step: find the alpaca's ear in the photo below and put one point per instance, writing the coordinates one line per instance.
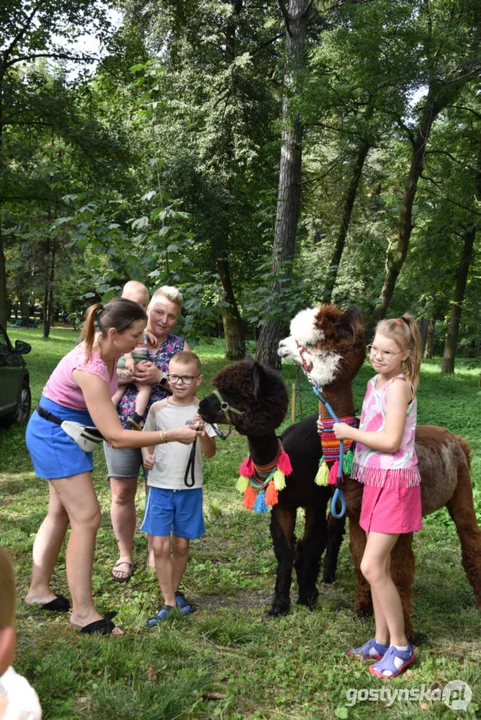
(348, 324)
(258, 378)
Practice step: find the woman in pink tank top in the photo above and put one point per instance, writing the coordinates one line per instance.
(385, 462)
(79, 391)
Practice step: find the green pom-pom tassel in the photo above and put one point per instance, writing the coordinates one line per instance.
(322, 475)
(242, 484)
(279, 480)
(347, 463)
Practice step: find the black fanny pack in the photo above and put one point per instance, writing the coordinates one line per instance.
(87, 437)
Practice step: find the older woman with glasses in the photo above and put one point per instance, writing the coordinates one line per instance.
(124, 465)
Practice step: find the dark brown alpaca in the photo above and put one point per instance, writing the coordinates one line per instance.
(331, 351)
(260, 394)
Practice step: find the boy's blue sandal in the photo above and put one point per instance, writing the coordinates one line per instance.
(183, 605)
(371, 650)
(160, 617)
(393, 662)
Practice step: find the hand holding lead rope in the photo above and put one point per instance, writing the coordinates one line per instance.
(338, 494)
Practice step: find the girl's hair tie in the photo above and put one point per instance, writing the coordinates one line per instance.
(397, 321)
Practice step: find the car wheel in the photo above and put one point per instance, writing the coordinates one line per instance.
(25, 404)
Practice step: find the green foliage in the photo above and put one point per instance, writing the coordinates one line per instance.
(166, 158)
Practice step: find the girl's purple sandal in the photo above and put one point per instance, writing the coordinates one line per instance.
(388, 665)
(371, 650)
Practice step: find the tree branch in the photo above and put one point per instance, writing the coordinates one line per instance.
(22, 32)
(464, 107)
(52, 55)
(285, 14)
(267, 43)
(451, 157)
(470, 210)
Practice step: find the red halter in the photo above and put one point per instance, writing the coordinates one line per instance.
(306, 364)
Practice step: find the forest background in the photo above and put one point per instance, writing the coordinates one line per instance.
(262, 156)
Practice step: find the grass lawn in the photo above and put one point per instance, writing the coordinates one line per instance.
(229, 660)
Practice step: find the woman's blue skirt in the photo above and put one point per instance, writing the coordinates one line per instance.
(54, 454)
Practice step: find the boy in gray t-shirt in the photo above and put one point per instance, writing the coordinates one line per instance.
(174, 500)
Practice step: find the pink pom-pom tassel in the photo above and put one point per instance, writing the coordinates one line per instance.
(284, 463)
(333, 473)
(246, 468)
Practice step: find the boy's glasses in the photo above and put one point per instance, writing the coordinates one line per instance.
(184, 379)
(386, 354)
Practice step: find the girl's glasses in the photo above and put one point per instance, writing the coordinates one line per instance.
(386, 354)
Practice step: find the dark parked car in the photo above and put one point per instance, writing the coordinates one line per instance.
(15, 397)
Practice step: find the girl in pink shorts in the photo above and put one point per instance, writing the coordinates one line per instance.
(385, 462)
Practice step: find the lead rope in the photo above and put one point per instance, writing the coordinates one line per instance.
(338, 494)
(190, 467)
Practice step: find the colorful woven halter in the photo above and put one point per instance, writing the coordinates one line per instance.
(255, 479)
(330, 444)
(331, 448)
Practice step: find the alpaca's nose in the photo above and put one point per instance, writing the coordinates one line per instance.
(282, 349)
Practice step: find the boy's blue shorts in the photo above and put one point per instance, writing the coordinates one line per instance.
(176, 511)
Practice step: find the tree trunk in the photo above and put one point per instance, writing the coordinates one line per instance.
(48, 295)
(395, 259)
(3, 283)
(46, 318)
(3, 268)
(24, 308)
(457, 304)
(429, 345)
(440, 94)
(235, 348)
(345, 221)
(289, 193)
(461, 281)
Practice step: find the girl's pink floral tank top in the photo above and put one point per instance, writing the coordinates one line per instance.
(372, 467)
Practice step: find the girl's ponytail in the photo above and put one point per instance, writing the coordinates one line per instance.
(412, 363)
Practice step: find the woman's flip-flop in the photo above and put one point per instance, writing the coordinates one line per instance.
(104, 626)
(393, 662)
(59, 604)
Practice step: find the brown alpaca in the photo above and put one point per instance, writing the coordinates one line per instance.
(331, 358)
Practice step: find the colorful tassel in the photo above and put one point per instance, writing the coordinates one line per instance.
(260, 503)
(249, 497)
(333, 473)
(242, 484)
(284, 463)
(246, 467)
(323, 473)
(279, 480)
(271, 494)
(348, 460)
